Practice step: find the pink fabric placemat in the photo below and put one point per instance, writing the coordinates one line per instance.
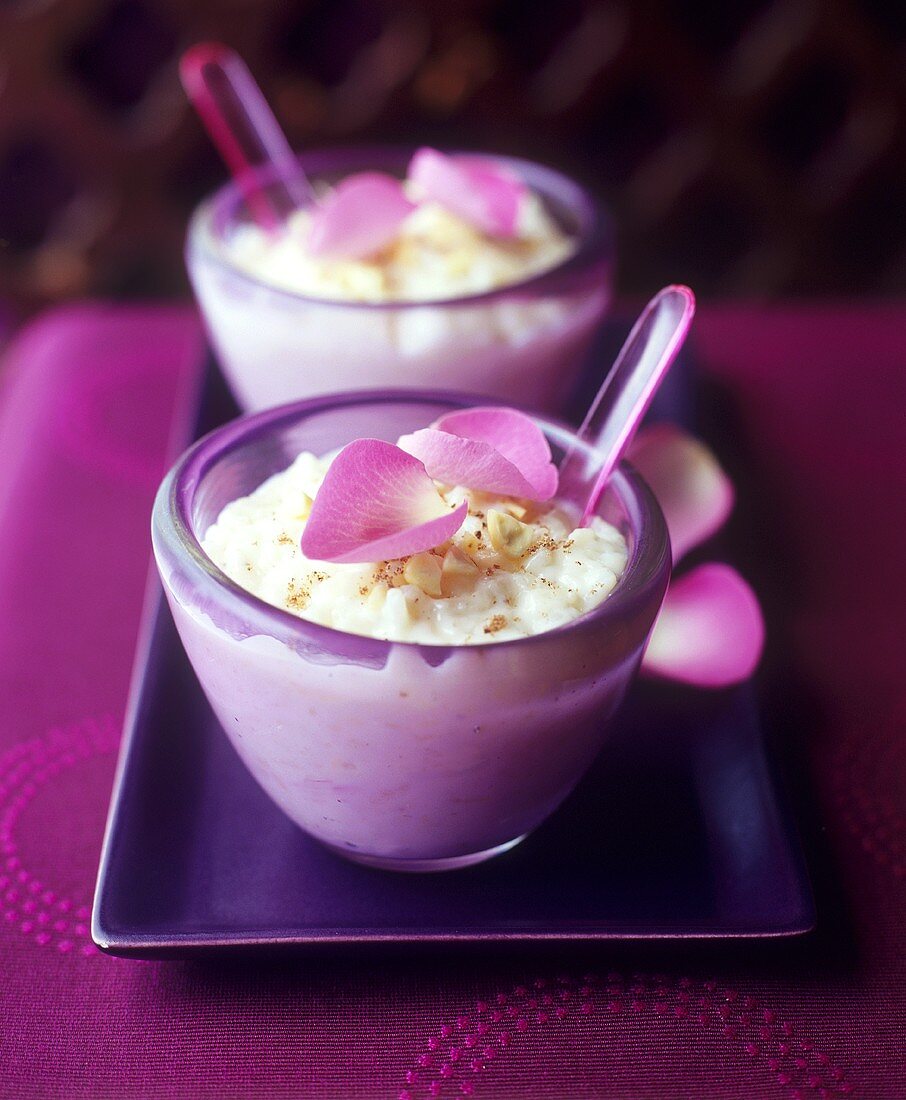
(88, 397)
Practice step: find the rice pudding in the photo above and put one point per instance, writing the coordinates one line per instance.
(443, 305)
(434, 256)
(400, 754)
(515, 567)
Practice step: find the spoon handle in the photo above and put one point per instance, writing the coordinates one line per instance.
(623, 399)
(245, 131)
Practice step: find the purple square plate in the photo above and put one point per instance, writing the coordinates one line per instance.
(680, 830)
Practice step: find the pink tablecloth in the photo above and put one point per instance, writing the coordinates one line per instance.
(86, 411)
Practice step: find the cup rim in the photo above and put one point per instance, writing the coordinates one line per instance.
(596, 237)
(647, 568)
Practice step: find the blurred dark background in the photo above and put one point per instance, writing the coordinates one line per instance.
(746, 147)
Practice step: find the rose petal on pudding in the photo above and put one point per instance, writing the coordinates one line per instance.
(692, 489)
(710, 631)
(493, 449)
(359, 217)
(468, 462)
(514, 434)
(377, 503)
(476, 189)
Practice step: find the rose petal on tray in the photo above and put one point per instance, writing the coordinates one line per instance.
(359, 217)
(377, 503)
(493, 449)
(710, 631)
(474, 188)
(692, 489)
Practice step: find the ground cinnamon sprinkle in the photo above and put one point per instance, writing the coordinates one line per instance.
(498, 622)
(545, 542)
(389, 573)
(297, 596)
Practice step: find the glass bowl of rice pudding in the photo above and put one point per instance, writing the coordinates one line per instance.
(409, 715)
(445, 306)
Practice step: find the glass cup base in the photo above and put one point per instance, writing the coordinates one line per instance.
(451, 863)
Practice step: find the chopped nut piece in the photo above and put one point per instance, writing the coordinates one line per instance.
(457, 563)
(305, 507)
(424, 571)
(376, 597)
(509, 535)
(459, 262)
(470, 543)
(457, 570)
(390, 573)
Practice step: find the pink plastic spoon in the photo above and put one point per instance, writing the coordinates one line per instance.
(625, 395)
(243, 128)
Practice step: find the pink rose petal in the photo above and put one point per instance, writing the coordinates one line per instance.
(495, 450)
(710, 631)
(474, 188)
(377, 503)
(509, 431)
(694, 492)
(359, 217)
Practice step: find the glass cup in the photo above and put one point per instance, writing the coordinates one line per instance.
(525, 342)
(396, 754)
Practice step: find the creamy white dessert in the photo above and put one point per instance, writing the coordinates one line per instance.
(435, 256)
(515, 568)
(285, 326)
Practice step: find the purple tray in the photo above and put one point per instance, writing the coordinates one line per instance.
(679, 831)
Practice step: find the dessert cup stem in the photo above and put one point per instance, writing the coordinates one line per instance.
(243, 128)
(625, 395)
